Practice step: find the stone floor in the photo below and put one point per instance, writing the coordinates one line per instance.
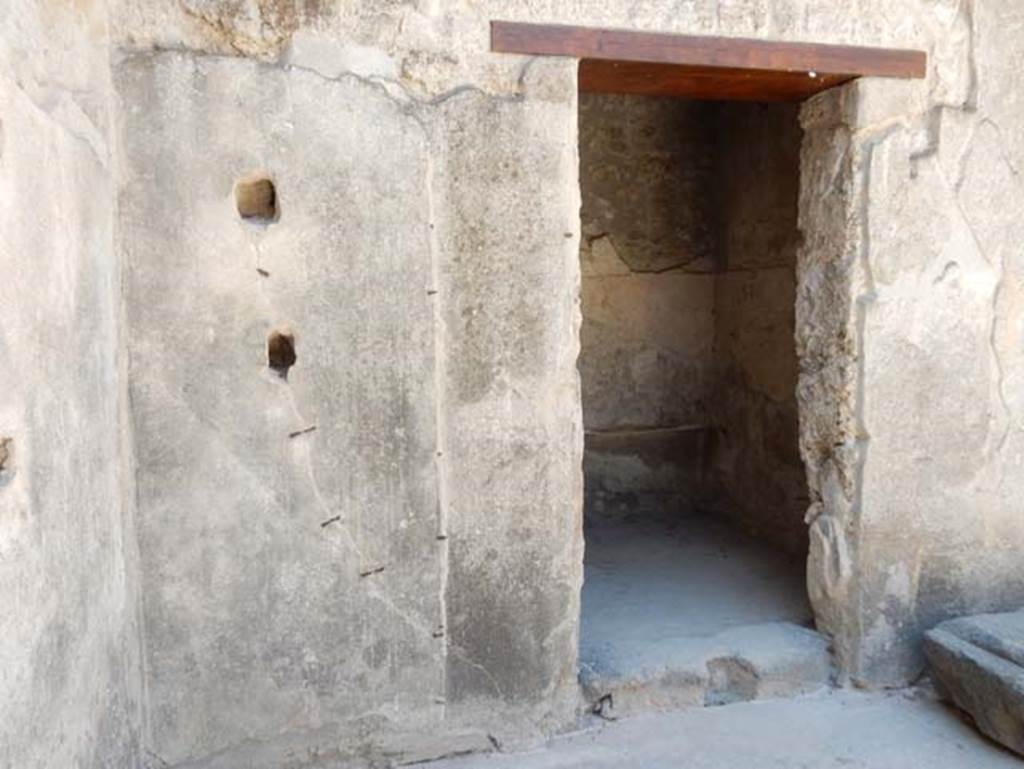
(688, 611)
(848, 729)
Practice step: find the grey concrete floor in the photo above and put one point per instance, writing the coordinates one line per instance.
(835, 728)
(653, 582)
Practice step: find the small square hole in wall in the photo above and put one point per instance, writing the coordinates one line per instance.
(256, 200)
(6, 459)
(281, 353)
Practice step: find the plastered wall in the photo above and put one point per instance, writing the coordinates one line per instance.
(376, 553)
(915, 479)
(908, 342)
(70, 681)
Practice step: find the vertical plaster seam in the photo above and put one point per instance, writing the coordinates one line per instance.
(440, 424)
(129, 459)
(132, 498)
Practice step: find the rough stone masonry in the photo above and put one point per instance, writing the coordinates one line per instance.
(373, 548)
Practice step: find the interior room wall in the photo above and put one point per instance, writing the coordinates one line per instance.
(648, 255)
(688, 258)
(755, 468)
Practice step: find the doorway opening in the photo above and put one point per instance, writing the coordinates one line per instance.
(695, 588)
(695, 492)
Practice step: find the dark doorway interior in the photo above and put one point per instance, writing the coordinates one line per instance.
(694, 488)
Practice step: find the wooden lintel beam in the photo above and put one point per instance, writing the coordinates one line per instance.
(734, 54)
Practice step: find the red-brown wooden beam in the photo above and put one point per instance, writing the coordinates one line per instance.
(623, 61)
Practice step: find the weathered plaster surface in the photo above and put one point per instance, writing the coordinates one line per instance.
(509, 274)
(435, 50)
(452, 414)
(288, 528)
(338, 579)
(910, 330)
(69, 675)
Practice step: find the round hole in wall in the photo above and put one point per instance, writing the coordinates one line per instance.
(256, 199)
(280, 353)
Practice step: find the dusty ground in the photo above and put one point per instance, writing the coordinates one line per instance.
(687, 611)
(896, 730)
(654, 586)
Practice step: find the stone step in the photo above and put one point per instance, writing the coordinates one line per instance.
(739, 664)
(978, 663)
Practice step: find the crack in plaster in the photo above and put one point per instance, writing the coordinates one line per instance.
(458, 654)
(326, 511)
(349, 541)
(408, 97)
(407, 102)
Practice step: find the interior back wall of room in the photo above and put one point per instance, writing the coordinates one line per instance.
(688, 257)
(648, 253)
